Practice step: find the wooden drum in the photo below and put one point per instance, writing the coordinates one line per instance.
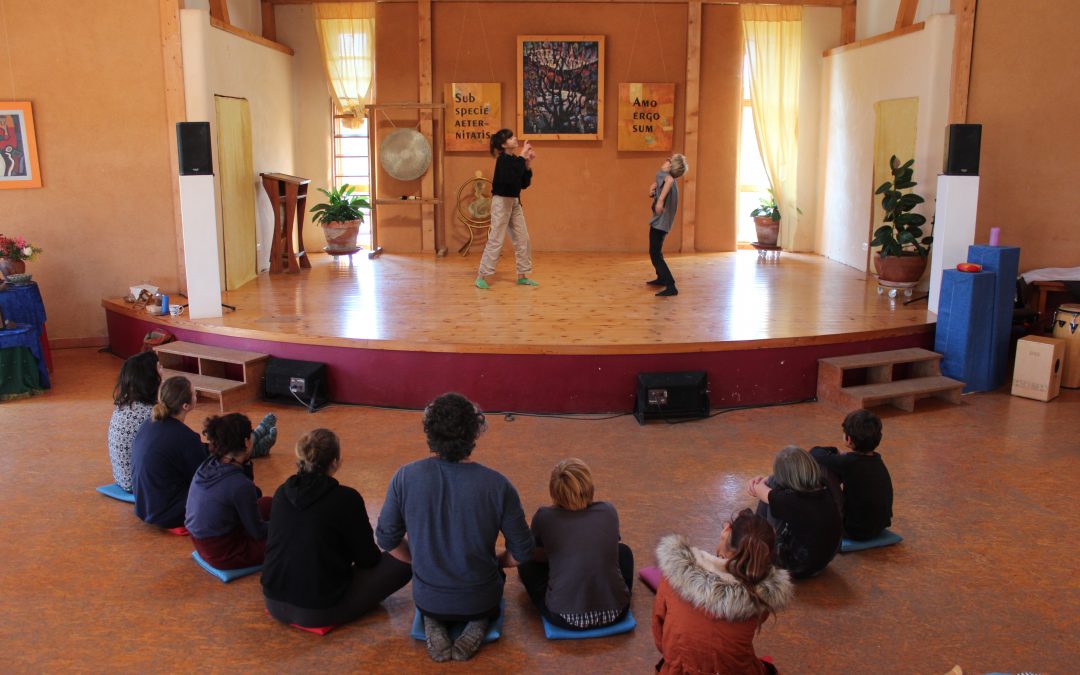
(1067, 328)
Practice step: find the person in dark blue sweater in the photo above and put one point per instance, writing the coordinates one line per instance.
(322, 565)
(453, 510)
(165, 455)
(226, 512)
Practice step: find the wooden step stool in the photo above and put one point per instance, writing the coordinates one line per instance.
(210, 379)
(926, 380)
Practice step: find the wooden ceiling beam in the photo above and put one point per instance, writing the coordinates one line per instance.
(847, 23)
(219, 9)
(805, 3)
(961, 66)
(905, 13)
(269, 21)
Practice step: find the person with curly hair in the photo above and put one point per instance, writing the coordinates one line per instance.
(452, 510)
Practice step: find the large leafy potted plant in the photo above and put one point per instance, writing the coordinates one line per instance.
(902, 258)
(767, 220)
(340, 217)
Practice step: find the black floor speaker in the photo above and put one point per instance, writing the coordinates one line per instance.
(670, 396)
(299, 382)
(962, 145)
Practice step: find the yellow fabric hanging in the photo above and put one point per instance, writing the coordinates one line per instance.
(346, 34)
(773, 37)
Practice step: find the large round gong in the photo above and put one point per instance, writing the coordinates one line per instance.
(405, 154)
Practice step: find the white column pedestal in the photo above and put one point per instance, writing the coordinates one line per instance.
(198, 214)
(954, 227)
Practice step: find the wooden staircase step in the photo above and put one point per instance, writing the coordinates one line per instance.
(220, 354)
(902, 393)
(229, 393)
(912, 355)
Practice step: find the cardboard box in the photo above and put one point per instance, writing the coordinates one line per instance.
(1037, 373)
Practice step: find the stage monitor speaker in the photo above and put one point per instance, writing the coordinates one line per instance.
(672, 396)
(193, 148)
(962, 143)
(301, 382)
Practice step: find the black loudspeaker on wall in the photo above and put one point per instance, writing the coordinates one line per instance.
(672, 395)
(193, 148)
(962, 143)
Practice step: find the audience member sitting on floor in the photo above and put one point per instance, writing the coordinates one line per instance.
(586, 579)
(801, 508)
(226, 513)
(708, 608)
(134, 395)
(868, 493)
(165, 455)
(322, 566)
(452, 510)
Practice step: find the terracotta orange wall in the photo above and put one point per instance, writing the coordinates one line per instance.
(93, 72)
(1023, 95)
(586, 195)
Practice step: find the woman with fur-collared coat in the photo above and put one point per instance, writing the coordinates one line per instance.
(708, 607)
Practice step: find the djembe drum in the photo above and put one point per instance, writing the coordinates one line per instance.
(1067, 328)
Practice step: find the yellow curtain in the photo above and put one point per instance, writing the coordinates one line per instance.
(773, 37)
(346, 33)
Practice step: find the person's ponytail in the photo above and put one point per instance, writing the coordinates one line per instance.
(174, 393)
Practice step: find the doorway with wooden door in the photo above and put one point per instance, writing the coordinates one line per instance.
(238, 189)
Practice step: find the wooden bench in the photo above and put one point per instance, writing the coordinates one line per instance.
(925, 380)
(211, 377)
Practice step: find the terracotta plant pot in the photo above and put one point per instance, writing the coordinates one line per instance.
(768, 230)
(9, 266)
(341, 236)
(902, 269)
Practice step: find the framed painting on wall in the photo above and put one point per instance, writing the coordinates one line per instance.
(18, 146)
(560, 87)
(646, 116)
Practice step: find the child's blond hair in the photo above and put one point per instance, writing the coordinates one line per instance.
(571, 485)
(678, 165)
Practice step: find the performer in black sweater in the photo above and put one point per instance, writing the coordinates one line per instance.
(513, 173)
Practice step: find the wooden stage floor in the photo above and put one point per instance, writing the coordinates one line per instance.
(587, 305)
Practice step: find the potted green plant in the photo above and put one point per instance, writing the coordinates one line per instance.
(767, 220)
(902, 258)
(340, 217)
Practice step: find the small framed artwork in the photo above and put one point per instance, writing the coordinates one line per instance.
(646, 116)
(560, 87)
(18, 146)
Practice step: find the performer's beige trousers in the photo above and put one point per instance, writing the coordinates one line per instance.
(507, 211)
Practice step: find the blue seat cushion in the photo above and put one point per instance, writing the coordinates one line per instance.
(494, 630)
(225, 575)
(886, 538)
(116, 492)
(553, 632)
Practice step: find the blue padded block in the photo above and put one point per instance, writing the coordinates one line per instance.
(493, 634)
(116, 492)
(965, 326)
(553, 632)
(886, 538)
(1004, 262)
(225, 575)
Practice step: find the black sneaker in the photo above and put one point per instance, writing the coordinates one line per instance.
(670, 290)
(656, 282)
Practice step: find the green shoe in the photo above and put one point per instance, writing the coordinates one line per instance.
(480, 283)
(526, 281)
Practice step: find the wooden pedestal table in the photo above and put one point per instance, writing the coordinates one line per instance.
(288, 197)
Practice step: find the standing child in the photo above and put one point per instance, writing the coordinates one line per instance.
(868, 493)
(513, 173)
(665, 194)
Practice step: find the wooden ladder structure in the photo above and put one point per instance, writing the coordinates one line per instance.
(925, 381)
(211, 377)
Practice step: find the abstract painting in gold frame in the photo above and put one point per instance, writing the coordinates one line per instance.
(560, 87)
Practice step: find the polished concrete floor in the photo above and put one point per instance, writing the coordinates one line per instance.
(985, 579)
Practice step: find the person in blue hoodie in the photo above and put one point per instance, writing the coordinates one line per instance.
(226, 512)
(165, 455)
(322, 565)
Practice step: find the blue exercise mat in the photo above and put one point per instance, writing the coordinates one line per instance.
(886, 538)
(494, 630)
(553, 632)
(116, 492)
(225, 575)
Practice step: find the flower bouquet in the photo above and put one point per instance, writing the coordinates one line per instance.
(17, 248)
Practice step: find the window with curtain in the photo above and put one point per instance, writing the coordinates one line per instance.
(753, 181)
(346, 33)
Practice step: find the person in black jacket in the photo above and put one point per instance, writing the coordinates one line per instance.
(513, 173)
(322, 566)
(868, 491)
